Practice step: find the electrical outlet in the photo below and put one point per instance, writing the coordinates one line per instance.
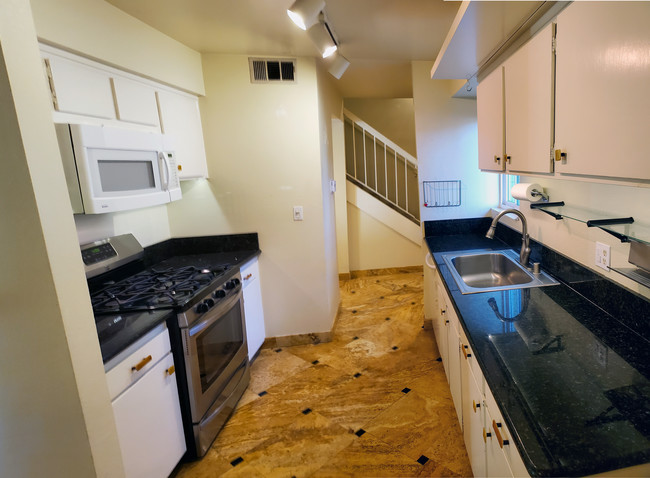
(603, 255)
(297, 213)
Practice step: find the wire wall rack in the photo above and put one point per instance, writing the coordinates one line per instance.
(441, 193)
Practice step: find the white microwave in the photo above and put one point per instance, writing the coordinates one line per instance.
(110, 169)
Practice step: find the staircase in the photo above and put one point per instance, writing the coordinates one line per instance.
(381, 168)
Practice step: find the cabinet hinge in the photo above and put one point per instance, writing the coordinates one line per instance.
(50, 81)
(554, 45)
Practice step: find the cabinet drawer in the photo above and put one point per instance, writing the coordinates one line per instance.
(133, 367)
(249, 272)
(467, 354)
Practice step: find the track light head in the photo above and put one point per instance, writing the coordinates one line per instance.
(322, 38)
(339, 65)
(304, 13)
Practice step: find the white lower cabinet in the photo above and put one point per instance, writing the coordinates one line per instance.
(487, 439)
(147, 413)
(253, 310)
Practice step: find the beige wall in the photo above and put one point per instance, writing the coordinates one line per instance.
(264, 157)
(373, 245)
(330, 107)
(392, 117)
(101, 31)
(447, 143)
(576, 240)
(55, 414)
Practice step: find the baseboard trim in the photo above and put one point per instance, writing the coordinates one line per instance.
(345, 276)
(387, 271)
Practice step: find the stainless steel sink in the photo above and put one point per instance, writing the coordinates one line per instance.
(484, 271)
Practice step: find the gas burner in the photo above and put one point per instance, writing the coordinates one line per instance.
(154, 288)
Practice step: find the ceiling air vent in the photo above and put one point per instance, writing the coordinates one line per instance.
(271, 70)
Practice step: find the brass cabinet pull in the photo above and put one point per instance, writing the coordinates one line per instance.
(475, 405)
(248, 276)
(486, 434)
(171, 370)
(496, 158)
(465, 347)
(141, 364)
(508, 158)
(500, 439)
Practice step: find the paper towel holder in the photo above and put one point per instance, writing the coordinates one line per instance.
(536, 193)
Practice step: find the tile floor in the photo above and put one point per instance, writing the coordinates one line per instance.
(373, 402)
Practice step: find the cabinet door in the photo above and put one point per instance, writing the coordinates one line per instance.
(602, 95)
(180, 119)
(135, 102)
(253, 310)
(473, 420)
(490, 111)
(80, 89)
(441, 338)
(496, 462)
(149, 424)
(453, 344)
(529, 105)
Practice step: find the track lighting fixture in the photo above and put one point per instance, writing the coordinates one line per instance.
(304, 13)
(339, 65)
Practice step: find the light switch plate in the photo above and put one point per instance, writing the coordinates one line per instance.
(297, 213)
(603, 252)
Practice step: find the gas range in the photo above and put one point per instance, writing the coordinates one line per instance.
(155, 288)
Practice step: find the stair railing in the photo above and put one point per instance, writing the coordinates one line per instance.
(380, 167)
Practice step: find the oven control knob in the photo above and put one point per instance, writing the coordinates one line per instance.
(202, 308)
(220, 294)
(236, 281)
(208, 302)
(230, 284)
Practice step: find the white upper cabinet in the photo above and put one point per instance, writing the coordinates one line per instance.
(490, 114)
(85, 91)
(602, 89)
(135, 102)
(79, 89)
(181, 119)
(528, 90)
(515, 110)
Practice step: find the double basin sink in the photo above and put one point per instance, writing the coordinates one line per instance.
(487, 271)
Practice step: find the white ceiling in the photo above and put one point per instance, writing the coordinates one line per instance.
(379, 37)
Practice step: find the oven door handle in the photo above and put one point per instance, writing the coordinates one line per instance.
(215, 313)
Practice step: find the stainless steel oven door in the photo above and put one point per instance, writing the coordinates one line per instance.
(215, 346)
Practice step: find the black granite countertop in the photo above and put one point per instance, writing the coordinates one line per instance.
(571, 379)
(118, 331)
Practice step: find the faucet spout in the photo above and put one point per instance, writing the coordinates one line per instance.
(524, 254)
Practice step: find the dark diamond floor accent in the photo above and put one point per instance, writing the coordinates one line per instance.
(360, 432)
(439, 359)
(306, 411)
(261, 394)
(315, 362)
(422, 460)
(237, 461)
(406, 390)
(387, 318)
(354, 311)
(355, 338)
(395, 347)
(357, 375)
(277, 350)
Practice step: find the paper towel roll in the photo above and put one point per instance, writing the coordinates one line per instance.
(524, 191)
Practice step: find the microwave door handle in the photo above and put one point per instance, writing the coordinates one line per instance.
(168, 171)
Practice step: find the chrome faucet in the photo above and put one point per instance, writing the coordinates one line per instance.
(525, 240)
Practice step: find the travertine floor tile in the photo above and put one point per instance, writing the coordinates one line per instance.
(370, 457)
(306, 445)
(412, 423)
(273, 367)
